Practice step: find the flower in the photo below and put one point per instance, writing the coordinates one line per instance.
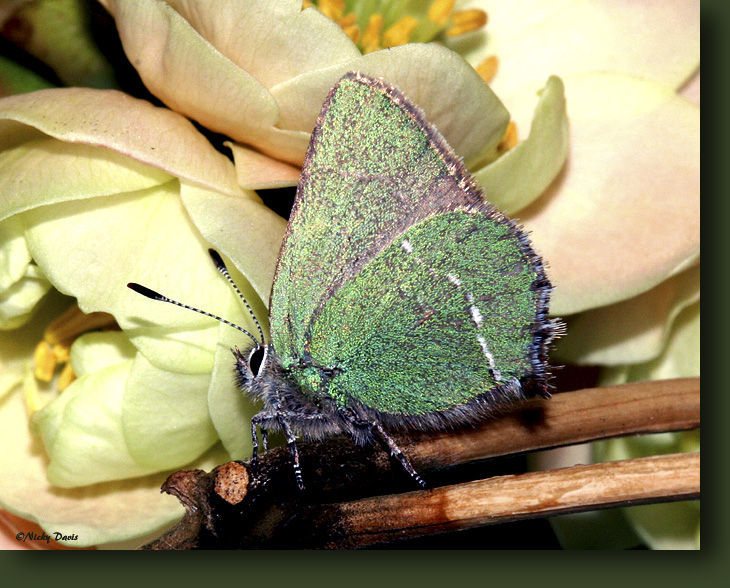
(100, 189)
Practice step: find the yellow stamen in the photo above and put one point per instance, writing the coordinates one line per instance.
(307, 4)
(55, 349)
(352, 31)
(371, 36)
(72, 323)
(487, 68)
(65, 378)
(333, 9)
(510, 138)
(440, 10)
(466, 21)
(62, 352)
(44, 362)
(400, 32)
(347, 21)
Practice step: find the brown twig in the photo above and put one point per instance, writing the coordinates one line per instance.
(570, 418)
(385, 519)
(237, 505)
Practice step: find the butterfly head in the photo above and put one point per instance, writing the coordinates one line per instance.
(251, 365)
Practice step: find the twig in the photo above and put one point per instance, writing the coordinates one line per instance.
(385, 519)
(570, 418)
(237, 505)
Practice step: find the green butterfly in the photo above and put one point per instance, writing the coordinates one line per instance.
(402, 300)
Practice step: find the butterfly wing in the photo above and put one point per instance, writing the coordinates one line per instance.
(450, 312)
(359, 188)
(378, 180)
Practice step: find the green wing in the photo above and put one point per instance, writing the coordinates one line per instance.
(374, 167)
(398, 286)
(447, 312)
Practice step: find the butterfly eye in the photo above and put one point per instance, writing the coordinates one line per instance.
(256, 359)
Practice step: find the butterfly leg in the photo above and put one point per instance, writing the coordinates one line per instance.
(258, 423)
(396, 452)
(375, 427)
(291, 442)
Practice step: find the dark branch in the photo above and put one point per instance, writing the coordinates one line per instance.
(349, 488)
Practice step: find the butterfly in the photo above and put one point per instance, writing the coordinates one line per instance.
(402, 299)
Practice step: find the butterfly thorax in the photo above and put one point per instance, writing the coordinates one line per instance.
(296, 394)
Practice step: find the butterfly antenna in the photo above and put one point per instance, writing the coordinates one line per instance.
(218, 261)
(157, 296)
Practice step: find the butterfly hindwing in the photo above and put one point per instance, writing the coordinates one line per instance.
(445, 314)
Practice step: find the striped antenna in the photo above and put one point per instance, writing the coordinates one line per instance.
(157, 296)
(218, 261)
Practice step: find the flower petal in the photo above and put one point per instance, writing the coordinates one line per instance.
(57, 33)
(242, 228)
(92, 251)
(14, 255)
(657, 40)
(452, 95)
(165, 416)
(629, 191)
(15, 79)
(680, 357)
(46, 171)
(524, 172)
(18, 302)
(111, 511)
(256, 171)
(107, 118)
(191, 76)
(273, 40)
(691, 89)
(629, 332)
(82, 431)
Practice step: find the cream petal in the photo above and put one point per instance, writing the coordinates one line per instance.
(164, 416)
(58, 34)
(106, 118)
(256, 171)
(454, 98)
(82, 431)
(191, 76)
(91, 249)
(18, 302)
(46, 171)
(629, 332)
(680, 357)
(99, 350)
(691, 89)
(273, 40)
(14, 255)
(110, 511)
(244, 230)
(658, 40)
(16, 79)
(624, 213)
(525, 171)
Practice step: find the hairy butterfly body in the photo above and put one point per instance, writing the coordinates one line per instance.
(402, 300)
